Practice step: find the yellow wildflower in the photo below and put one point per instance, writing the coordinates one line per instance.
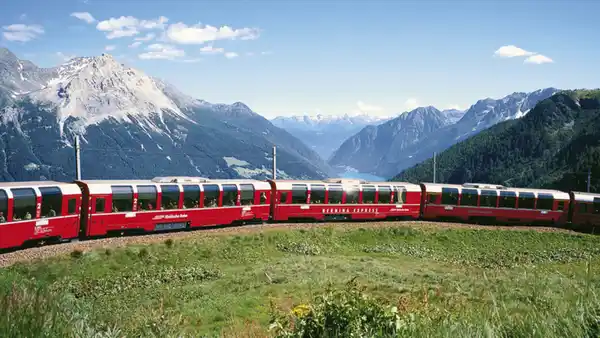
(301, 310)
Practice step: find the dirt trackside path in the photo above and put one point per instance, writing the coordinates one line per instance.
(10, 258)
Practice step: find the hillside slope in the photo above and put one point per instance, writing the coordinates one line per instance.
(552, 146)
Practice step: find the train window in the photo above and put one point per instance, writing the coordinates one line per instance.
(469, 197)
(488, 199)
(263, 197)
(561, 206)
(432, 198)
(545, 202)
(230, 193)
(299, 193)
(211, 195)
(368, 194)
(317, 194)
(526, 200)
(449, 196)
(122, 198)
(72, 206)
(3, 206)
(146, 197)
(508, 199)
(582, 208)
(399, 195)
(283, 198)
(191, 196)
(385, 195)
(51, 202)
(170, 197)
(596, 206)
(100, 203)
(352, 194)
(247, 194)
(335, 194)
(24, 201)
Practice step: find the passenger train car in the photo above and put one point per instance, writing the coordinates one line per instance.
(44, 211)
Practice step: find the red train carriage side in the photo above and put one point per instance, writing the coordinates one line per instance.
(488, 203)
(167, 203)
(343, 199)
(38, 211)
(585, 209)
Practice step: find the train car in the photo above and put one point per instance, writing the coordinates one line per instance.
(344, 199)
(169, 203)
(491, 204)
(41, 211)
(585, 210)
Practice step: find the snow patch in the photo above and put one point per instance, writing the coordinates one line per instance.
(31, 167)
(232, 161)
(168, 158)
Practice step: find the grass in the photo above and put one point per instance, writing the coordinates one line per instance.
(422, 282)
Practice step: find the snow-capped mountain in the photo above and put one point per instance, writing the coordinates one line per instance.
(389, 154)
(131, 125)
(325, 133)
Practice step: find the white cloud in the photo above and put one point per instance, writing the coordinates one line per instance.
(453, 106)
(22, 17)
(148, 37)
(514, 51)
(64, 57)
(110, 47)
(199, 34)
(411, 104)
(266, 53)
(211, 50)
(21, 32)
(84, 16)
(129, 26)
(368, 108)
(538, 59)
(135, 44)
(511, 51)
(163, 52)
(231, 55)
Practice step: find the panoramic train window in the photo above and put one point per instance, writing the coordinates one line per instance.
(170, 197)
(24, 201)
(146, 197)
(385, 195)
(122, 198)
(545, 202)
(191, 196)
(469, 197)
(100, 204)
(51, 202)
(449, 196)
(352, 194)
(526, 200)
(596, 205)
(299, 193)
(508, 199)
(488, 199)
(230, 193)
(317, 194)
(72, 206)
(368, 194)
(3, 206)
(399, 195)
(247, 194)
(211, 195)
(284, 197)
(335, 194)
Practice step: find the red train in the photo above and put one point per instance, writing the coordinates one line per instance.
(38, 212)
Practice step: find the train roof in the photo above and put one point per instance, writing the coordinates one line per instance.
(585, 196)
(437, 187)
(103, 186)
(287, 184)
(65, 188)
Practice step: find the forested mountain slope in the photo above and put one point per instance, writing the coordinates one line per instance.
(552, 146)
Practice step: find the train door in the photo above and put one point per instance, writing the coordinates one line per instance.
(96, 224)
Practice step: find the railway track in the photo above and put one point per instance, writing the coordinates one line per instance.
(42, 252)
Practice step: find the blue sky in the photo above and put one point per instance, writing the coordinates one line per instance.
(335, 57)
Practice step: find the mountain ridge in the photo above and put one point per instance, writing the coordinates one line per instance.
(144, 121)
